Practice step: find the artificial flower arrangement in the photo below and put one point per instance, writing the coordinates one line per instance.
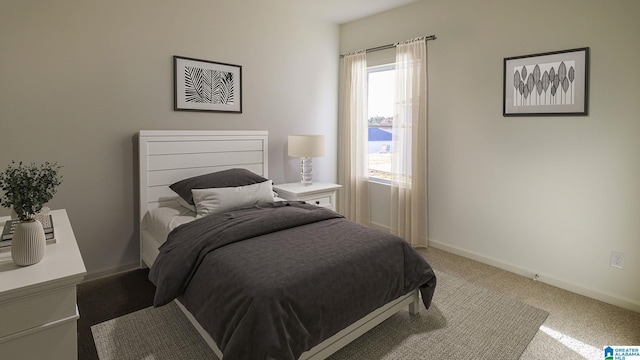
(28, 187)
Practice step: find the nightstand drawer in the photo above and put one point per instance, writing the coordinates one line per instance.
(320, 194)
(324, 201)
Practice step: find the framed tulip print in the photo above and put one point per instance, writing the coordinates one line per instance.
(202, 85)
(548, 84)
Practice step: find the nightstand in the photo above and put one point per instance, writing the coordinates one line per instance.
(321, 194)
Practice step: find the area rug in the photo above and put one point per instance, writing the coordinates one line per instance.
(465, 321)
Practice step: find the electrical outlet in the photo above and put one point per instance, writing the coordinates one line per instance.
(617, 259)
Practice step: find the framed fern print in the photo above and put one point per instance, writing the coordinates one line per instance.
(549, 84)
(202, 85)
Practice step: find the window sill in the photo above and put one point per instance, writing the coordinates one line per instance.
(380, 181)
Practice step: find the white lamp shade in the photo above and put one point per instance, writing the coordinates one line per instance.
(306, 145)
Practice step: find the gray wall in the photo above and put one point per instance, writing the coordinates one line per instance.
(79, 78)
(546, 195)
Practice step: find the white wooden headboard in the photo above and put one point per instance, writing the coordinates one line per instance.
(167, 156)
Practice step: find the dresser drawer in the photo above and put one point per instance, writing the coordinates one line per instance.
(36, 310)
(56, 341)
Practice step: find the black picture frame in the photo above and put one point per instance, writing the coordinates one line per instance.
(202, 85)
(547, 84)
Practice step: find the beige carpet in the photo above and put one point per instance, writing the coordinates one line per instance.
(578, 328)
(465, 321)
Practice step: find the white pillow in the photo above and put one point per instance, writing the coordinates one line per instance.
(182, 202)
(217, 200)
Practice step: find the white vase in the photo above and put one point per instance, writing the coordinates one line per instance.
(28, 243)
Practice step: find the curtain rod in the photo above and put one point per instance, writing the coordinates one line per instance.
(390, 46)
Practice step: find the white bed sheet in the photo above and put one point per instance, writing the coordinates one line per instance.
(162, 220)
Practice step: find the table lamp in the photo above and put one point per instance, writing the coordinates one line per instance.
(306, 147)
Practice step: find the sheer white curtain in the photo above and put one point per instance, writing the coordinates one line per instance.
(409, 145)
(352, 163)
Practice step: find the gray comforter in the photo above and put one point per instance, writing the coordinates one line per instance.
(272, 281)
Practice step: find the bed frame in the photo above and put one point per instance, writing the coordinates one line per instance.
(167, 156)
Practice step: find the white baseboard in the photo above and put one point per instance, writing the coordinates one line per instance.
(591, 293)
(111, 271)
(380, 227)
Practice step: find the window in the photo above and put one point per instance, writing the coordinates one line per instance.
(380, 111)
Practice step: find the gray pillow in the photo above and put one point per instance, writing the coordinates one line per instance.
(219, 179)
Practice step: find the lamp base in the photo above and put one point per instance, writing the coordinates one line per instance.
(306, 171)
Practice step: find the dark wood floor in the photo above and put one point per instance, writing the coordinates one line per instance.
(107, 298)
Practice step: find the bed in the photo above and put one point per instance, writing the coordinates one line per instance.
(301, 237)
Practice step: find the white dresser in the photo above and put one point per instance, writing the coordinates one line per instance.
(321, 194)
(38, 310)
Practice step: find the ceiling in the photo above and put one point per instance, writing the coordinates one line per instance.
(343, 11)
